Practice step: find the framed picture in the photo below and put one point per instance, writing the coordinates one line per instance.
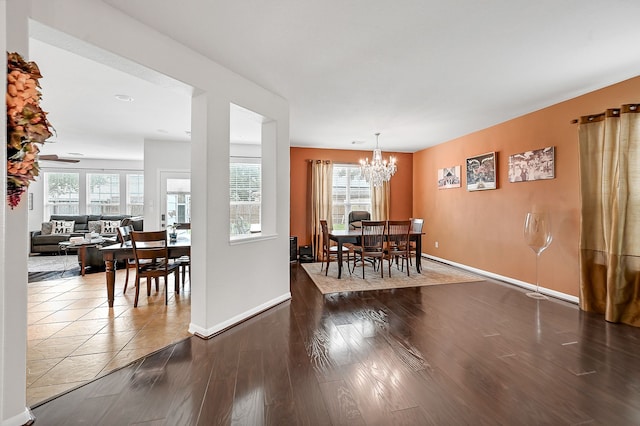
(449, 177)
(532, 165)
(481, 172)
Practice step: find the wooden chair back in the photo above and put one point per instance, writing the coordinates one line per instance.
(397, 245)
(398, 232)
(152, 259)
(124, 233)
(372, 235)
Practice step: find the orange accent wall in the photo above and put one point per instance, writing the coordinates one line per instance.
(401, 184)
(484, 229)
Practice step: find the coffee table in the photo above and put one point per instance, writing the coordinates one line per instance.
(81, 247)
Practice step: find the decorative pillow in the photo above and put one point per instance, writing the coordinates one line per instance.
(46, 228)
(109, 227)
(62, 226)
(94, 226)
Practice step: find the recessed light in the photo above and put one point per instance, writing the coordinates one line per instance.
(162, 131)
(78, 154)
(124, 98)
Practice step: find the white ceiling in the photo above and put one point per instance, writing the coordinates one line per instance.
(421, 72)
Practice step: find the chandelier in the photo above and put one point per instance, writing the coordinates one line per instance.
(378, 170)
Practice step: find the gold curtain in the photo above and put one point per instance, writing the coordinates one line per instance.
(380, 201)
(321, 185)
(609, 149)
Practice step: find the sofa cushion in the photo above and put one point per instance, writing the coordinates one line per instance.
(62, 226)
(46, 228)
(94, 226)
(109, 227)
(80, 220)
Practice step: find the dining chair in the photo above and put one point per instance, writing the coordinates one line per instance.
(396, 246)
(183, 262)
(124, 236)
(330, 252)
(416, 227)
(356, 217)
(371, 244)
(152, 261)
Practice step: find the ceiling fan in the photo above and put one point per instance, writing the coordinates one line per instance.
(54, 157)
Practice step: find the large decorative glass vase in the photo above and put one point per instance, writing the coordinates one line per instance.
(537, 234)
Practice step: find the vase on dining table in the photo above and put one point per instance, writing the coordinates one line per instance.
(537, 234)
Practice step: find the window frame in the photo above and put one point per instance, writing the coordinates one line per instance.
(349, 202)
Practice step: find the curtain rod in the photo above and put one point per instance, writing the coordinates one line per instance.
(320, 161)
(611, 112)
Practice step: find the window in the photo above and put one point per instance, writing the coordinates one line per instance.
(350, 191)
(62, 194)
(135, 195)
(252, 175)
(245, 183)
(178, 201)
(103, 193)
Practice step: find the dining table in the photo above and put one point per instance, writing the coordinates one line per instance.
(123, 251)
(342, 236)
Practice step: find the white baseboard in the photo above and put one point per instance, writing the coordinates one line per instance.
(25, 417)
(207, 333)
(532, 287)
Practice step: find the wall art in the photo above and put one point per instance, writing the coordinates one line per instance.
(538, 164)
(481, 172)
(449, 177)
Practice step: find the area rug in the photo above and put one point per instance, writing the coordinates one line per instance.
(433, 273)
(44, 268)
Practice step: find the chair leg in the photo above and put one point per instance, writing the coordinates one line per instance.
(135, 301)
(149, 286)
(126, 278)
(327, 259)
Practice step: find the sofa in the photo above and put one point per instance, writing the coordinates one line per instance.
(62, 227)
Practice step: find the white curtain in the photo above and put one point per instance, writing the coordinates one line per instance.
(321, 199)
(380, 201)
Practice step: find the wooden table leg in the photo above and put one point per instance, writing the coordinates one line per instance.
(339, 259)
(110, 272)
(81, 254)
(418, 254)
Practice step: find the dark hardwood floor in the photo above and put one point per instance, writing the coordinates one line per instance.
(458, 354)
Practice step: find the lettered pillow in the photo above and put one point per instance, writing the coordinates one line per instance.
(94, 226)
(46, 228)
(62, 226)
(109, 227)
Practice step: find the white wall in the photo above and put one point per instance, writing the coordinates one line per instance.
(161, 156)
(230, 282)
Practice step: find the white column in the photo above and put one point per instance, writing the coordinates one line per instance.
(13, 251)
(210, 205)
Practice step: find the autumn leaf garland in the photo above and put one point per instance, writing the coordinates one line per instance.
(27, 125)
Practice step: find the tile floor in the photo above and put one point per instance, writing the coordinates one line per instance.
(74, 337)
